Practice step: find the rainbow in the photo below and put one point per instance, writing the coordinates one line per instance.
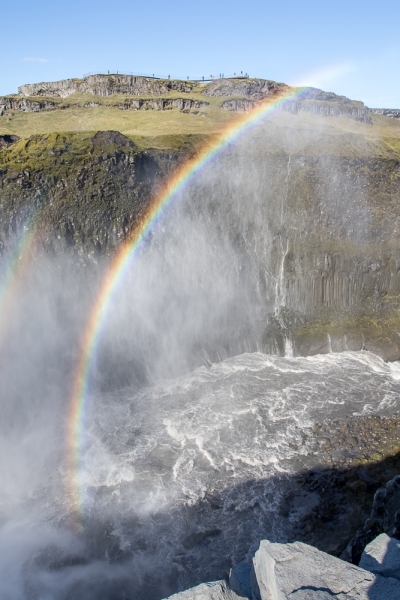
(117, 270)
(17, 266)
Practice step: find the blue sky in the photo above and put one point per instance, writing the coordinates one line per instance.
(351, 48)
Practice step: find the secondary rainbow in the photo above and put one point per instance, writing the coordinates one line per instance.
(14, 271)
(115, 273)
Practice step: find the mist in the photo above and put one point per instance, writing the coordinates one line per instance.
(193, 408)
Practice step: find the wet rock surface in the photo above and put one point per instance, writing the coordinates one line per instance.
(335, 496)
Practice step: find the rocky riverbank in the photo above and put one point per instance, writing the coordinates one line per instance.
(347, 464)
(284, 571)
(341, 504)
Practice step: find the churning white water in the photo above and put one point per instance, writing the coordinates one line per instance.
(183, 479)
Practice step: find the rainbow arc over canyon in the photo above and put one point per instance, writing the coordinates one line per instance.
(119, 266)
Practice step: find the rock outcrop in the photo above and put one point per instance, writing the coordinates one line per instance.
(245, 95)
(215, 590)
(384, 518)
(296, 570)
(25, 104)
(8, 103)
(392, 113)
(329, 207)
(316, 107)
(8, 140)
(254, 89)
(282, 571)
(183, 104)
(105, 85)
(382, 556)
(87, 190)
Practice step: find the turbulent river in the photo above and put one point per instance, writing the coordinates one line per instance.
(181, 480)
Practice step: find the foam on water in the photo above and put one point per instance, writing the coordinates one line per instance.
(183, 479)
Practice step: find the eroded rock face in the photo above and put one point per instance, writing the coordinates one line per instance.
(245, 94)
(104, 85)
(254, 89)
(29, 105)
(183, 104)
(391, 113)
(102, 182)
(25, 104)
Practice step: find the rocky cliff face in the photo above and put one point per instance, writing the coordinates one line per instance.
(86, 192)
(255, 89)
(244, 94)
(392, 113)
(25, 104)
(316, 107)
(323, 235)
(105, 85)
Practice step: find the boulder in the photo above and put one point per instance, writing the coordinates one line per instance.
(385, 518)
(382, 556)
(215, 590)
(296, 570)
(8, 140)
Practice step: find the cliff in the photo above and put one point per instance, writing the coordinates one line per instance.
(328, 190)
(245, 94)
(105, 85)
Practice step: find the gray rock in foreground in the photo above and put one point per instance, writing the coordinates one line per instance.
(382, 556)
(282, 571)
(301, 572)
(216, 590)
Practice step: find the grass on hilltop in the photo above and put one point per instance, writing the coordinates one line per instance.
(172, 128)
(71, 115)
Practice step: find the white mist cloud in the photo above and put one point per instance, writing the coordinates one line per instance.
(33, 59)
(327, 75)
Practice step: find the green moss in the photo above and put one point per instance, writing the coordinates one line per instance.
(371, 331)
